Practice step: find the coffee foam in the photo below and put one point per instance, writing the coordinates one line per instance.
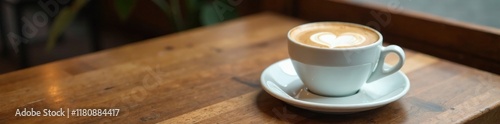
(332, 41)
(333, 35)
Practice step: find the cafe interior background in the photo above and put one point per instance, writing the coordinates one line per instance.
(36, 32)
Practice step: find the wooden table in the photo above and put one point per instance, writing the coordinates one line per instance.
(211, 74)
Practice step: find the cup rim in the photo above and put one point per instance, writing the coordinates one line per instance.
(330, 22)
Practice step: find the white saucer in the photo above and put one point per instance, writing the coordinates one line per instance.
(281, 81)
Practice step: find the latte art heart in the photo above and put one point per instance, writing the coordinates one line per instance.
(332, 41)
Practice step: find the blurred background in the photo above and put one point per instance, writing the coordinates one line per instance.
(35, 32)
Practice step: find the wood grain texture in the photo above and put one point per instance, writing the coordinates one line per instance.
(211, 75)
(466, 43)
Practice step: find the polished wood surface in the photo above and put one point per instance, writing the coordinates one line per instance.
(211, 75)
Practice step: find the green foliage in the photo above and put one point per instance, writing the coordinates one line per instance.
(216, 11)
(196, 13)
(62, 21)
(123, 8)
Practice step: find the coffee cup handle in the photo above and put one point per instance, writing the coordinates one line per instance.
(379, 71)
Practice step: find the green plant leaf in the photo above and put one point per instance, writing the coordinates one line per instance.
(176, 12)
(208, 16)
(217, 11)
(193, 11)
(62, 21)
(124, 7)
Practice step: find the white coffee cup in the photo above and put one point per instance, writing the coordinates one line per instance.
(341, 71)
